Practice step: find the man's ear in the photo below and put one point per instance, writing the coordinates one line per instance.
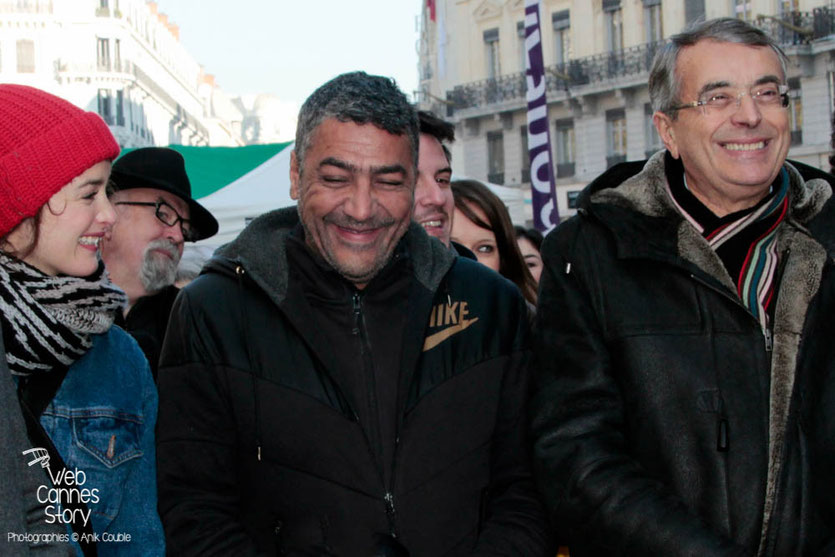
(294, 176)
(664, 125)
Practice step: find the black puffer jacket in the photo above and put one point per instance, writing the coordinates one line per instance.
(261, 452)
(666, 423)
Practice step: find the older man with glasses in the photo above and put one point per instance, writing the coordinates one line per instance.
(156, 215)
(686, 370)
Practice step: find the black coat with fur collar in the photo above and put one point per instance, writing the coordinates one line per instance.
(663, 423)
(261, 452)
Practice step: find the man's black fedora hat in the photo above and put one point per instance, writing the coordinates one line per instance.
(163, 169)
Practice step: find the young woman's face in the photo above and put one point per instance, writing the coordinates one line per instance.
(73, 224)
(480, 241)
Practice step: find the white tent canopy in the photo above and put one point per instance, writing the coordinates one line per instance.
(263, 189)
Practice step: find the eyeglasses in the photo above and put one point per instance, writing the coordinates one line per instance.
(167, 215)
(719, 101)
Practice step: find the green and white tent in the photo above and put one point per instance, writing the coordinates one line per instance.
(238, 183)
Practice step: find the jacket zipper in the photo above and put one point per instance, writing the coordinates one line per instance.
(359, 331)
(391, 513)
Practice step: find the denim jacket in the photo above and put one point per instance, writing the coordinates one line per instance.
(102, 422)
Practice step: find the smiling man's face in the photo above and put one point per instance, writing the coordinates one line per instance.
(355, 193)
(730, 157)
(434, 204)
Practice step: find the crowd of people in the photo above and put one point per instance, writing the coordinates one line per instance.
(391, 368)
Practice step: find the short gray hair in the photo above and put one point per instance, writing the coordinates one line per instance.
(360, 98)
(664, 84)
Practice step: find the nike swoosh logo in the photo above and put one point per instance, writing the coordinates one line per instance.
(434, 340)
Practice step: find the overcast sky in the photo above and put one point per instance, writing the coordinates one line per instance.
(290, 47)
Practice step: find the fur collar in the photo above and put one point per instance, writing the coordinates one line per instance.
(646, 194)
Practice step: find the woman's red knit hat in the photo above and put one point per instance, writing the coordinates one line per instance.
(45, 142)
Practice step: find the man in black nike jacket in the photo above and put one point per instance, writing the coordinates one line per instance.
(337, 383)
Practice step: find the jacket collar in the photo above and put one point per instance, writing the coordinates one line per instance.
(261, 249)
(648, 222)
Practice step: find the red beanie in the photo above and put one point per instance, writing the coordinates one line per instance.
(45, 142)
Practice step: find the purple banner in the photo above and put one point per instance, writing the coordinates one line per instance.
(543, 189)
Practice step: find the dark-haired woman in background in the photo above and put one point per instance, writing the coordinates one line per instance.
(482, 224)
(530, 241)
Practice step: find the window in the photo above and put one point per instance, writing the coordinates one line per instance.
(693, 10)
(615, 136)
(104, 4)
(614, 25)
(495, 157)
(105, 106)
(131, 115)
(795, 111)
(117, 55)
(523, 54)
(565, 148)
(25, 56)
(788, 6)
(742, 9)
(120, 108)
(562, 36)
(573, 197)
(830, 89)
(491, 54)
(103, 53)
(790, 14)
(651, 138)
(652, 21)
(526, 155)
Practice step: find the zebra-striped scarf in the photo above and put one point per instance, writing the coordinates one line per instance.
(48, 321)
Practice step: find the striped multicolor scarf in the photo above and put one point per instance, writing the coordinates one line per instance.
(745, 241)
(48, 321)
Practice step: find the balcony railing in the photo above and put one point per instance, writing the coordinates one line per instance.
(583, 71)
(25, 6)
(792, 29)
(114, 66)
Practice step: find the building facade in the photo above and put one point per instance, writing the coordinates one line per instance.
(597, 55)
(122, 59)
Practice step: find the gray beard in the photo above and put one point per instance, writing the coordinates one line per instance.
(158, 271)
